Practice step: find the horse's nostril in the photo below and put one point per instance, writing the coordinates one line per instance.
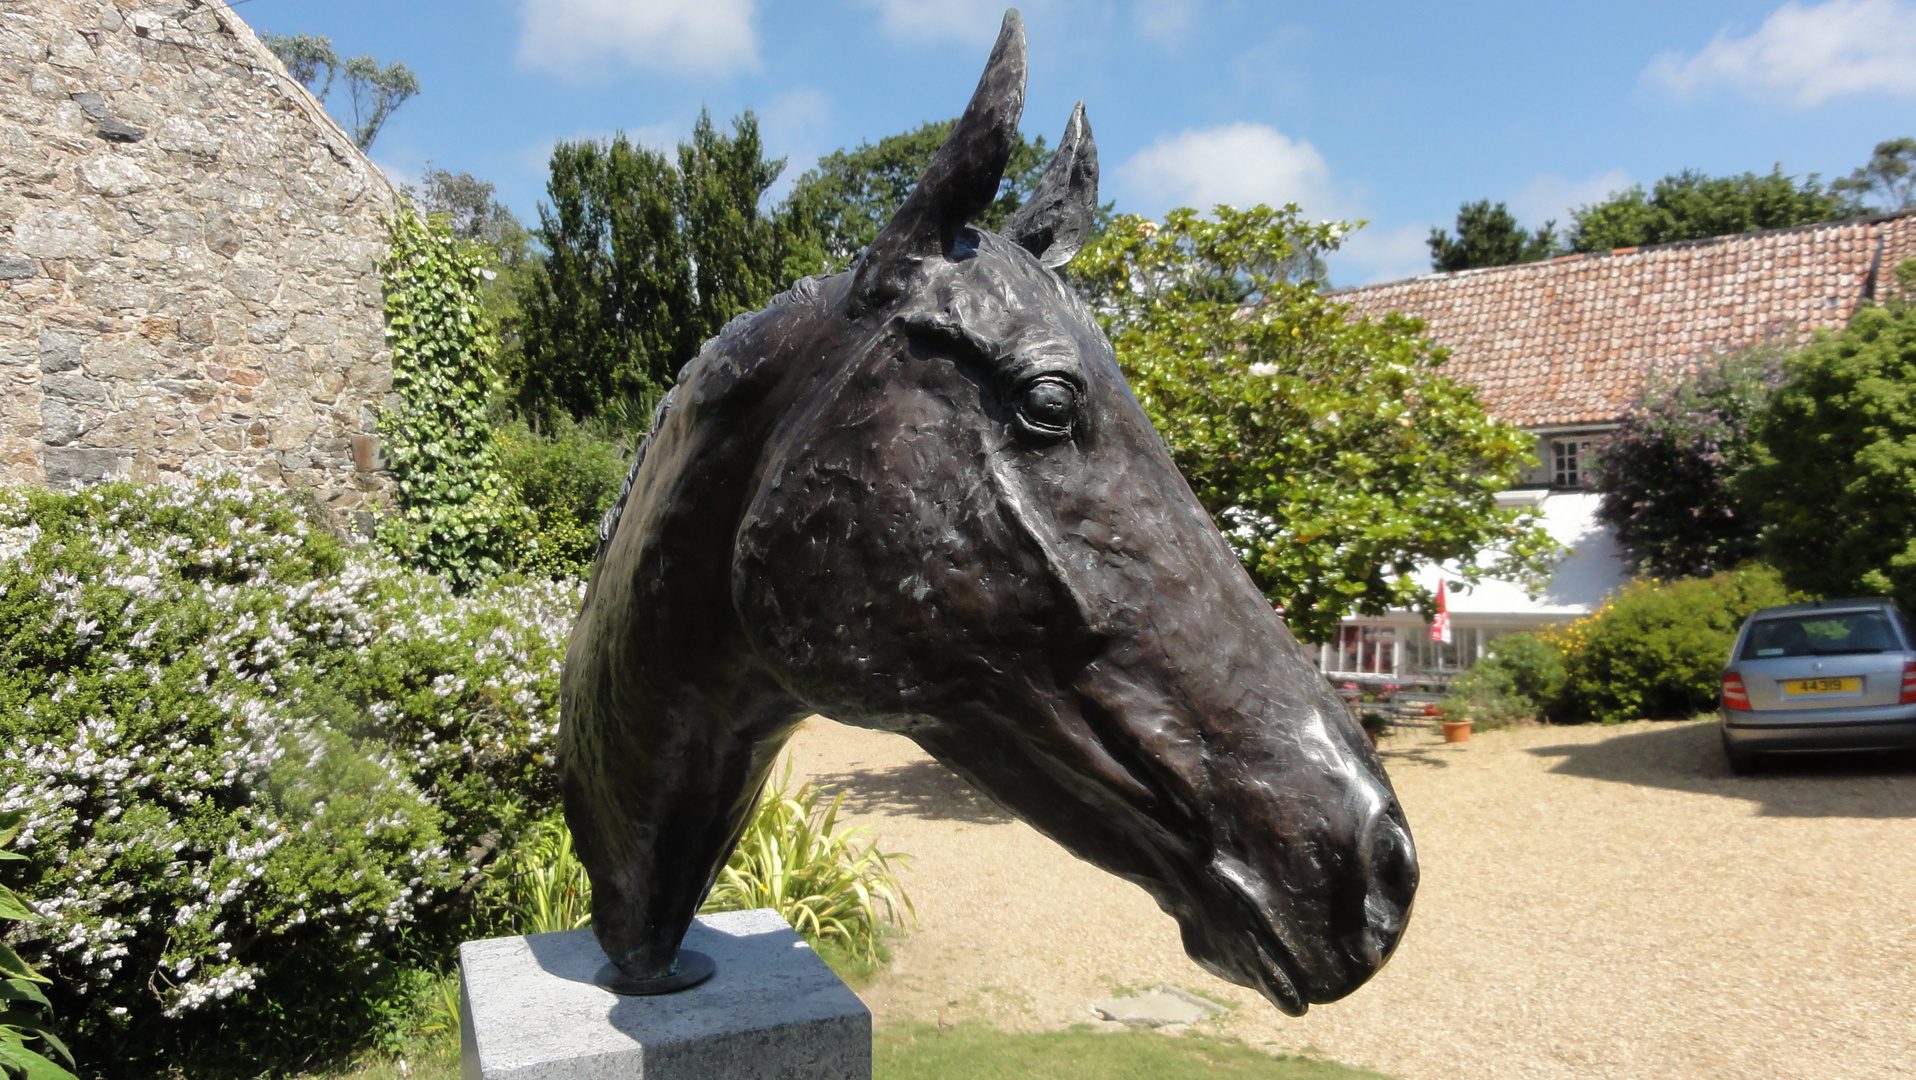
(1392, 863)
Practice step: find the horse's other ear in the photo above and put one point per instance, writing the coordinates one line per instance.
(1054, 223)
(961, 181)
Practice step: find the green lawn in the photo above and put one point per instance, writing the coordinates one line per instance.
(977, 1052)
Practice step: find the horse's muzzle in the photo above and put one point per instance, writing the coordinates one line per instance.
(1297, 957)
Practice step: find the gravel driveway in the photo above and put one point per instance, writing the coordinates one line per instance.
(1596, 902)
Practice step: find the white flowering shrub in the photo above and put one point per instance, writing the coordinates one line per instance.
(258, 767)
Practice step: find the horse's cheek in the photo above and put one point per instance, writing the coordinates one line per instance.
(869, 596)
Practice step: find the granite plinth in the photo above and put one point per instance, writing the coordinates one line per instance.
(530, 1011)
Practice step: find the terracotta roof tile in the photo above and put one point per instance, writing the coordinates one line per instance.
(1568, 341)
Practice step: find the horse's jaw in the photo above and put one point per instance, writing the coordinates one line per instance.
(1286, 862)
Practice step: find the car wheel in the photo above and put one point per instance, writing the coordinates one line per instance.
(1742, 762)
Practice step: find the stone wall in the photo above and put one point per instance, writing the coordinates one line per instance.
(188, 250)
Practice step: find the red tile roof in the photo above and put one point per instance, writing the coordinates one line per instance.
(1569, 341)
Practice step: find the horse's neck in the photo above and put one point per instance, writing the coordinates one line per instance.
(659, 636)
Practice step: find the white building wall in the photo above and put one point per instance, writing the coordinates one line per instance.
(1396, 646)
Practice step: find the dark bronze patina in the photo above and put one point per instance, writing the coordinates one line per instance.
(918, 496)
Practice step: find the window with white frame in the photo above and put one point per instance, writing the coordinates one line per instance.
(1570, 462)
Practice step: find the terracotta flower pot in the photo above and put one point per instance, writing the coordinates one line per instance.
(1456, 731)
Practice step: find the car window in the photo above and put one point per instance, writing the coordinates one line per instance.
(1817, 634)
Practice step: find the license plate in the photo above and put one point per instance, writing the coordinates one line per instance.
(1823, 686)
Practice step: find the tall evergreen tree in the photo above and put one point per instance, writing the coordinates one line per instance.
(645, 259)
(850, 194)
(1488, 236)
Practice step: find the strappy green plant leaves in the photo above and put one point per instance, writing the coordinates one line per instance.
(25, 1015)
(832, 884)
(542, 886)
(829, 883)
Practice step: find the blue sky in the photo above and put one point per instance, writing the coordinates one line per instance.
(1387, 111)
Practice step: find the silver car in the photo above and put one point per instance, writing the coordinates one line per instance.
(1830, 675)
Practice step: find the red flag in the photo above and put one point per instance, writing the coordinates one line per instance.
(1440, 626)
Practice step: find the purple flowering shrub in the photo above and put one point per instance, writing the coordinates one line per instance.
(260, 768)
(1666, 474)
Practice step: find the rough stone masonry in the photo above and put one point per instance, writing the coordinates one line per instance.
(188, 250)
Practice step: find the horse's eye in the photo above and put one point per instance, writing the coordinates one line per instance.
(1049, 405)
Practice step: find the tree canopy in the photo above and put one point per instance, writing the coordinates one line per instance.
(1667, 473)
(1888, 182)
(1333, 453)
(376, 91)
(850, 194)
(1834, 479)
(1488, 236)
(1691, 205)
(646, 257)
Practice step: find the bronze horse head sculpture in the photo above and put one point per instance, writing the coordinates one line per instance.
(919, 496)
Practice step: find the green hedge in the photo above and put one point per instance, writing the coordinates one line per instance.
(260, 768)
(1657, 649)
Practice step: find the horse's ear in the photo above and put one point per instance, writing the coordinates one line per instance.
(961, 181)
(1055, 221)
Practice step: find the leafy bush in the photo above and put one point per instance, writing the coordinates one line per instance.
(567, 480)
(1522, 677)
(257, 766)
(1667, 473)
(1657, 649)
(1835, 477)
(27, 1014)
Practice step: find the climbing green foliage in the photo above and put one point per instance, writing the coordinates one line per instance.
(1333, 452)
(457, 516)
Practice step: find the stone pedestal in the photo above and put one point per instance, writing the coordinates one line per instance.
(530, 1011)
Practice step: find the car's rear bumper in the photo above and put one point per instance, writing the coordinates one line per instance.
(1882, 727)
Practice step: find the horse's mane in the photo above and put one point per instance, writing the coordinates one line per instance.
(805, 290)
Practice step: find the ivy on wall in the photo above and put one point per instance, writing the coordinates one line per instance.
(457, 517)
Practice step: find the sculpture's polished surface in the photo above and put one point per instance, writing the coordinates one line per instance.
(919, 496)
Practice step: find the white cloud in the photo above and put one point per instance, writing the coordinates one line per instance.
(586, 38)
(398, 175)
(964, 20)
(1369, 256)
(1551, 197)
(1806, 55)
(1165, 20)
(795, 118)
(793, 126)
(1238, 165)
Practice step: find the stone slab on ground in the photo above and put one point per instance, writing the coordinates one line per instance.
(1163, 1005)
(530, 1011)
